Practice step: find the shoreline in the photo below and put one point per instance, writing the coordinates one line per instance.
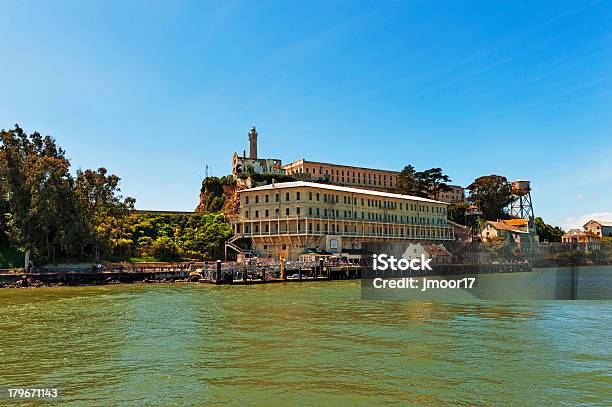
(77, 279)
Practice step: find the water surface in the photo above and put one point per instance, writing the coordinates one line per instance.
(300, 344)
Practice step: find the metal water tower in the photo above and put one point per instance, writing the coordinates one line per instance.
(521, 206)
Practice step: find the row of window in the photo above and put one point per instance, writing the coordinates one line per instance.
(351, 200)
(351, 215)
(337, 172)
(325, 228)
(339, 176)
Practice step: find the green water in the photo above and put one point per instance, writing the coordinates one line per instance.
(300, 344)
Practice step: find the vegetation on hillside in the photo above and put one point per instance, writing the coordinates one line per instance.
(215, 192)
(546, 232)
(62, 217)
(10, 257)
(167, 237)
(49, 211)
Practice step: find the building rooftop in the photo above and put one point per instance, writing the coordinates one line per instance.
(601, 222)
(505, 226)
(516, 222)
(337, 188)
(340, 165)
(436, 250)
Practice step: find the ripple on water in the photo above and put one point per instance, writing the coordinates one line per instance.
(308, 343)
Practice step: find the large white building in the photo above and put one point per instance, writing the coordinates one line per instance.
(295, 217)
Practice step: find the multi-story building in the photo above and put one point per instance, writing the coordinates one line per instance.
(456, 194)
(359, 177)
(579, 236)
(599, 227)
(343, 175)
(519, 233)
(295, 217)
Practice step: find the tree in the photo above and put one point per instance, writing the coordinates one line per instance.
(44, 215)
(456, 212)
(4, 214)
(434, 181)
(103, 209)
(492, 195)
(410, 182)
(548, 233)
(428, 183)
(164, 248)
(49, 212)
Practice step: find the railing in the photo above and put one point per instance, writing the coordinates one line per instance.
(349, 234)
(318, 218)
(263, 271)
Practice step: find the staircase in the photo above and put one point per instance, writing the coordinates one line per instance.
(232, 245)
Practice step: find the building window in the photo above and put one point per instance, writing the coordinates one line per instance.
(256, 199)
(277, 197)
(257, 214)
(297, 211)
(267, 198)
(287, 211)
(246, 199)
(297, 196)
(287, 197)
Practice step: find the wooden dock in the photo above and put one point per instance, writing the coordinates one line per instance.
(290, 272)
(244, 274)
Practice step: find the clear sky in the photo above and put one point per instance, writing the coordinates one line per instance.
(154, 91)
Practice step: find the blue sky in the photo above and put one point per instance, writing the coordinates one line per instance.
(154, 91)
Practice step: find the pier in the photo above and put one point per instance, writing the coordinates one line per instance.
(278, 272)
(231, 273)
